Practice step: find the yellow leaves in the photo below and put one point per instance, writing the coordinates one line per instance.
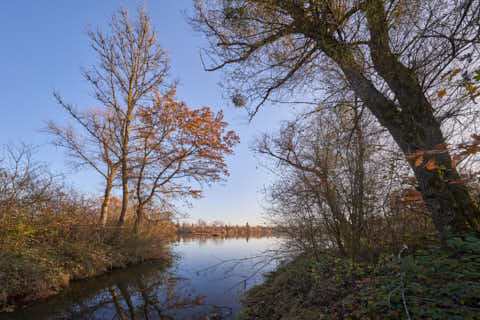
(454, 73)
(442, 93)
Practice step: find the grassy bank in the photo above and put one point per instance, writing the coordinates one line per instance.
(39, 258)
(433, 283)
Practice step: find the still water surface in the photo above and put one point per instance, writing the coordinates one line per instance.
(206, 280)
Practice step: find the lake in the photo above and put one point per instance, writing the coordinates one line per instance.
(206, 279)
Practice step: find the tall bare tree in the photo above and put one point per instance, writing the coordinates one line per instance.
(395, 55)
(131, 66)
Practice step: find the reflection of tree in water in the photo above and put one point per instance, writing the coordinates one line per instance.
(144, 292)
(158, 299)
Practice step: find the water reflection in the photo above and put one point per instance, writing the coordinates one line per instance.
(203, 282)
(201, 240)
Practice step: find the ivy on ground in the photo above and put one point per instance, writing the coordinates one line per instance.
(437, 282)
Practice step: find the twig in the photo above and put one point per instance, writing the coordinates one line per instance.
(402, 282)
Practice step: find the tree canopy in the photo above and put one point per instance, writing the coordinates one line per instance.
(397, 56)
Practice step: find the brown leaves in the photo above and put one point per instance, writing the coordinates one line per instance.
(442, 93)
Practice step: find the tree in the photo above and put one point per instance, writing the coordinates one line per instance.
(332, 178)
(175, 144)
(131, 67)
(26, 185)
(93, 146)
(392, 54)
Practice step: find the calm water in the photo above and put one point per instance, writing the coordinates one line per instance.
(208, 277)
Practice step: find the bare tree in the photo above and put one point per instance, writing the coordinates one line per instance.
(94, 146)
(397, 56)
(25, 184)
(131, 67)
(331, 170)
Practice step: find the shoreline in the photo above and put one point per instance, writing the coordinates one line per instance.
(339, 288)
(30, 277)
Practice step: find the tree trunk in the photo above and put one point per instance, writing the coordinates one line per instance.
(139, 217)
(410, 121)
(106, 201)
(415, 129)
(413, 126)
(448, 200)
(125, 194)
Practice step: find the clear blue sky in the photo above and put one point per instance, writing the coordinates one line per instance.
(44, 45)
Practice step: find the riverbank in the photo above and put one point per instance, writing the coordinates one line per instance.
(37, 261)
(191, 285)
(433, 283)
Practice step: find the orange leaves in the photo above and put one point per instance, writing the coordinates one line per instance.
(454, 73)
(454, 164)
(419, 156)
(430, 164)
(472, 90)
(451, 74)
(173, 144)
(444, 159)
(198, 300)
(419, 161)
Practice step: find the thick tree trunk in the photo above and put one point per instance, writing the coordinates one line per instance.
(411, 122)
(416, 129)
(448, 200)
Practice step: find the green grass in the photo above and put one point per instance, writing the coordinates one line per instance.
(437, 283)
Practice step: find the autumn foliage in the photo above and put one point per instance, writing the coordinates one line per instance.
(175, 145)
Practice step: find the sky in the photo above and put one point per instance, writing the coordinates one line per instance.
(45, 45)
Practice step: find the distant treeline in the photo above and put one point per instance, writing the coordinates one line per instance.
(221, 229)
